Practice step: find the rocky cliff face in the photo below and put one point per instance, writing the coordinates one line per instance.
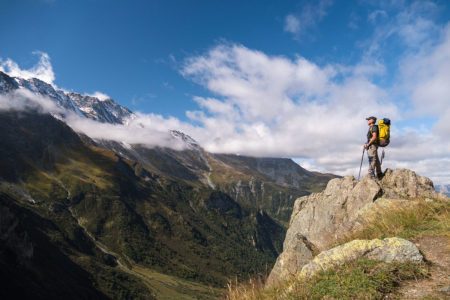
(321, 219)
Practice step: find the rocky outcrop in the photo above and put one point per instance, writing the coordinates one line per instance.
(406, 184)
(387, 250)
(322, 219)
(296, 252)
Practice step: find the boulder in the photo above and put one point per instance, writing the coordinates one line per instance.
(387, 250)
(404, 183)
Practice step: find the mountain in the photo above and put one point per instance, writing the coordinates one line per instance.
(127, 221)
(102, 110)
(271, 184)
(443, 188)
(146, 220)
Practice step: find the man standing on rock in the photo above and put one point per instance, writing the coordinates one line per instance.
(372, 148)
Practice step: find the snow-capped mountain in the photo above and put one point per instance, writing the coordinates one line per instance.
(102, 110)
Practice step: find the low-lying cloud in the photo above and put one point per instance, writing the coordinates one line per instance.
(25, 100)
(143, 129)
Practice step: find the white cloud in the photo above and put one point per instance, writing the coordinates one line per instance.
(409, 23)
(426, 75)
(309, 16)
(148, 130)
(292, 24)
(275, 106)
(101, 96)
(377, 14)
(42, 70)
(22, 99)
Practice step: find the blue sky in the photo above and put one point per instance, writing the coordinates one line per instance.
(266, 78)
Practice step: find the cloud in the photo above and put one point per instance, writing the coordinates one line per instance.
(310, 15)
(377, 14)
(354, 20)
(101, 96)
(292, 24)
(425, 77)
(42, 70)
(148, 130)
(275, 106)
(22, 99)
(409, 23)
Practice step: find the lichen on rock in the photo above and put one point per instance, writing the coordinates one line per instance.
(387, 250)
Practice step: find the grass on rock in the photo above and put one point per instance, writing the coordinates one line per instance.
(360, 279)
(423, 217)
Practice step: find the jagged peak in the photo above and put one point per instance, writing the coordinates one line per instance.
(96, 107)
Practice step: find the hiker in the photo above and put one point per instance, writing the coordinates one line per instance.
(372, 148)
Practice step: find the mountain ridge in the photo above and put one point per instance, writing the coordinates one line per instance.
(107, 110)
(193, 163)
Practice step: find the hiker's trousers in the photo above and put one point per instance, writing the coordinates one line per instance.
(374, 162)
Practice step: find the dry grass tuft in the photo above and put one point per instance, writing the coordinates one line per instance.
(406, 222)
(251, 289)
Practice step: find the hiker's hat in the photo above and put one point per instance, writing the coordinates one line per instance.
(371, 118)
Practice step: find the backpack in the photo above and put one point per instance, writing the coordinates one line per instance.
(384, 129)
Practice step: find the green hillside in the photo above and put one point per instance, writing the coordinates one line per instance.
(71, 199)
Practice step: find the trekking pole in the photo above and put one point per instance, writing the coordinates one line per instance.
(362, 158)
(382, 156)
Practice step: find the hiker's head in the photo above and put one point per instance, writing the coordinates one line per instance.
(371, 121)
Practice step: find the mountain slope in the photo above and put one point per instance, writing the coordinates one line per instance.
(120, 211)
(148, 219)
(444, 188)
